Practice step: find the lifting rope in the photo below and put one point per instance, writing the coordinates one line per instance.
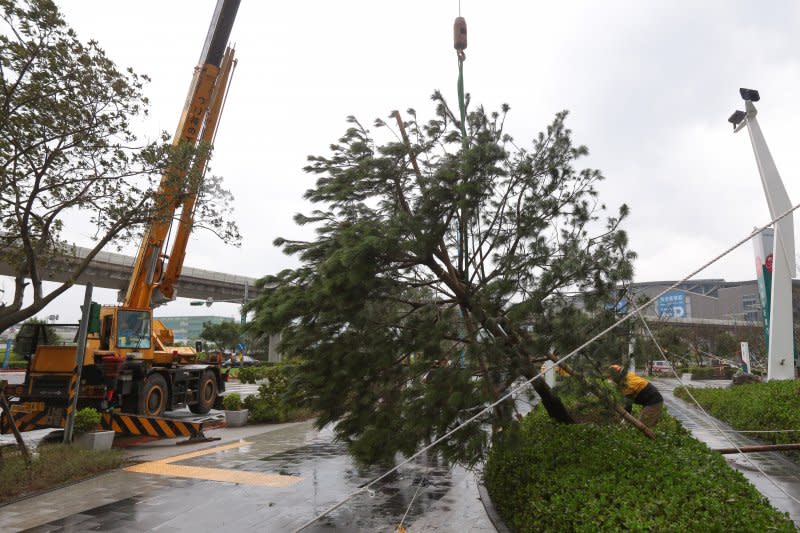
(422, 482)
(460, 44)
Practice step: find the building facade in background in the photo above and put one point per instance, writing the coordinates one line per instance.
(707, 299)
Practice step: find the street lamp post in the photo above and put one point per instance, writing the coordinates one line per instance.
(780, 260)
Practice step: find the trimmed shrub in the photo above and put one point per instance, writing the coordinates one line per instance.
(86, 420)
(232, 402)
(544, 476)
(251, 374)
(274, 403)
(712, 372)
(753, 406)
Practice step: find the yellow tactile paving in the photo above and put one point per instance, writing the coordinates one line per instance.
(215, 474)
(164, 467)
(200, 453)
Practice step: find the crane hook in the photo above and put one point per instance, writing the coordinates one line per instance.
(460, 37)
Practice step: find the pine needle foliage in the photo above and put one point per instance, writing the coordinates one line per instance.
(442, 270)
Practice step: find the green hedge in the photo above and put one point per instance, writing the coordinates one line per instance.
(708, 372)
(755, 406)
(546, 477)
(251, 374)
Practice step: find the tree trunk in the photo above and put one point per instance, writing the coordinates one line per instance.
(552, 403)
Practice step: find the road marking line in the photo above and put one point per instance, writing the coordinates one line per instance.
(164, 467)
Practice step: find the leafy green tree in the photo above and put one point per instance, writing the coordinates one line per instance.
(673, 342)
(67, 146)
(726, 345)
(225, 335)
(444, 268)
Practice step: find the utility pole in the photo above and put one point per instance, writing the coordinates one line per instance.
(242, 322)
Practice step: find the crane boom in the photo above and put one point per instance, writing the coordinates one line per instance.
(154, 269)
(129, 368)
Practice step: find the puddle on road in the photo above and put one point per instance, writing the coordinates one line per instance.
(380, 507)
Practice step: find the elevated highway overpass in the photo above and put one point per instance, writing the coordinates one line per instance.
(111, 270)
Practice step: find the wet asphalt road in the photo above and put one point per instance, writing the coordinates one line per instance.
(446, 498)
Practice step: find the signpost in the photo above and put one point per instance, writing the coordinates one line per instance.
(745, 357)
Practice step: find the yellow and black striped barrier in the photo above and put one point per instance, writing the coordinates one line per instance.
(73, 391)
(30, 418)
(35, 415)
(163, 428)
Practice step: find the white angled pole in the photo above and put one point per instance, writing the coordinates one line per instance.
(780, 362)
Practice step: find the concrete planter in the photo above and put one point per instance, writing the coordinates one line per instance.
(95, 440)
(235, 419)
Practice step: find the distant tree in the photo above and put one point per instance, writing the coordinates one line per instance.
(67, 146)
(673, 341)
(726, 345)
(225, 335)
(443, 271)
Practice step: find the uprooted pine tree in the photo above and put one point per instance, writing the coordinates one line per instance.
(442, 271)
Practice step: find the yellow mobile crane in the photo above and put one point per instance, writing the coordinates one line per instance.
(129, 365)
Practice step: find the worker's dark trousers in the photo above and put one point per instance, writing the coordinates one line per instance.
(652, 403)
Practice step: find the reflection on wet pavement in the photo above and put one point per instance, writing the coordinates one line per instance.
(380, 506)
(126, 501)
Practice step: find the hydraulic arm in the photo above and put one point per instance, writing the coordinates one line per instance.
(156, 271)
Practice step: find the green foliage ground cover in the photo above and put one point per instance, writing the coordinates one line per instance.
(755, 406)
(54, 465)
(546, 477)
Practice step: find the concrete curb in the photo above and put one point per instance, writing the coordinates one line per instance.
(491, 512)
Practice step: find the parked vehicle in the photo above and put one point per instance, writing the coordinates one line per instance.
(660, 367)
(245, 361)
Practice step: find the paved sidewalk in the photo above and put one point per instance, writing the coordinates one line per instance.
(782, 471)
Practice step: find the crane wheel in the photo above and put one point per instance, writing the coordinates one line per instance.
(153, 399)
(206, 393)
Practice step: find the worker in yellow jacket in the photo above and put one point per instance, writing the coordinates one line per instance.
(637, 390)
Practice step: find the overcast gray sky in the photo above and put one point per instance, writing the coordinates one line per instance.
(649, 86)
